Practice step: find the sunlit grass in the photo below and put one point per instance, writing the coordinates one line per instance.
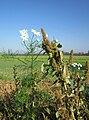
(7, 63)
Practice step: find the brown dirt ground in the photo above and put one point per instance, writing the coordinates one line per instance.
(6, 87)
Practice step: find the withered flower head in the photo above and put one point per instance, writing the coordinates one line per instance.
(71, 57)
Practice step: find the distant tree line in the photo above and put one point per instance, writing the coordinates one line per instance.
(21, 53)
(78, 53)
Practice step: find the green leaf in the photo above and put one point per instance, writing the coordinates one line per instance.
(68, 81)
(81, 88)
(47, 110)
(57, 114)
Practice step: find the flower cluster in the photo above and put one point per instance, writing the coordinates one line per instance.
(77, 65)
(25, 36)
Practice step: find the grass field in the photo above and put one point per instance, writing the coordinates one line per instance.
(7, 63)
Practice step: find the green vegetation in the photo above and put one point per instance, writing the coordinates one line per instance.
(7, 63)
(49, 87)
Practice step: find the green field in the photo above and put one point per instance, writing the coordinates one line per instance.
(7, 63)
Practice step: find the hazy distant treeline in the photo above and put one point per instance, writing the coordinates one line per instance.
(10, 52)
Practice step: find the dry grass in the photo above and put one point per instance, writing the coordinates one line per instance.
(6, 87)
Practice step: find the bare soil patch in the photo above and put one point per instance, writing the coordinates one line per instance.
(6, 87)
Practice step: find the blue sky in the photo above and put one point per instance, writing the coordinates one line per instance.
(66, 20)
